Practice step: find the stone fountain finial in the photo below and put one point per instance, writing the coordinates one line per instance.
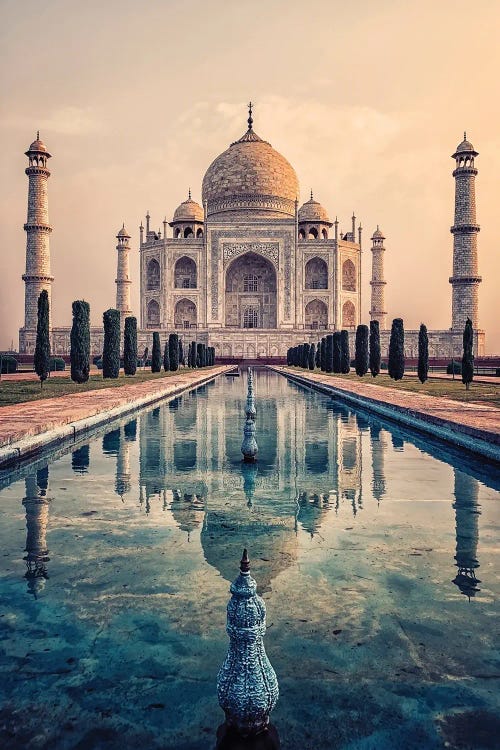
(250, 404)
(249, 446)
(247, 687)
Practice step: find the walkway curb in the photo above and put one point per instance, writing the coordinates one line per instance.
(484, 443)
(27, 446)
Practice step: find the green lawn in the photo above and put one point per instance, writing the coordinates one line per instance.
(17, 391)
(488, 393)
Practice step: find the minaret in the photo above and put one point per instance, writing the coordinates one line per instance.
(38, 229)
(123, 275)
(377, 311)
(465, 279)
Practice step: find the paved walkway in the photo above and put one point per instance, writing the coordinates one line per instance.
(454, 421)
(20, 422)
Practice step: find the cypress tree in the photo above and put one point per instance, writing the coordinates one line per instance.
(145, 357)
(111, 349)
(423, 354)
(42, 347)
(288, 356)
(312, 356)
(374, 348)
(468, 356)
(173, 351)
(80, 342)
(322, 354)
(189, 356)
(213, 356)
(396, 365)
(361, 350)
(204, 355)
(329, 353)
(317, 361)
(199, 355)
(305, 356)
(166, 358)
(345, 355)
(181, 352)
(336, 352)
(156, 353)
(194, 353)
(130, 346)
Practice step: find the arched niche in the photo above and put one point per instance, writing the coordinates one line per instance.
(348, 315)
(251, 293)
(348, 276)
(185, 274)
(153, 313)
(316, 314)
(185, 314)
(153, 274)
(316, 274)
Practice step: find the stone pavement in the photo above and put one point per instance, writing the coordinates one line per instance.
(24, 428)
(475, 427)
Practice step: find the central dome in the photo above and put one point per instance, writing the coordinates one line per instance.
(251, 176)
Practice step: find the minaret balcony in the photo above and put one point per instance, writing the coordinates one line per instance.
(465, 279)
(457, 228)
(33, 226)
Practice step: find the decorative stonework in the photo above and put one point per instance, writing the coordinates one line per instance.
(269, 250)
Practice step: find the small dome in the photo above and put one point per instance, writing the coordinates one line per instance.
(38, 147)
(123, 232)
(378, 234)
(189, 211)
(465, 147)
(313, 212)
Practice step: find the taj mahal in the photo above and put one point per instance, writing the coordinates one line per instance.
(251, 271)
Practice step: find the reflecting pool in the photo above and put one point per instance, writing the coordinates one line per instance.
(374, 550)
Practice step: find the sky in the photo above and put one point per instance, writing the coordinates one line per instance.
(134, 99)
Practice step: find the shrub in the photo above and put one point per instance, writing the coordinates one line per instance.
(156, 353)
(337, 353)
(361, 350)
(130, 346)
(42, 347)
(111, 349)
(423, 354)
(454, 368)
(345, 357)
(396, 365)
(374, 348)
(80, 342)
(173, 351)
(57, 364)
(166, 358)
(9, 364)
(468, 356)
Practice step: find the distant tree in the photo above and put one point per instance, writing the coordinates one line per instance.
(42, 346)
(111, 349)
(305, 356)
(289, 356)
(189, 355)
(396, 364)
(336, 352)
(181, 352)
(423, 354)
(194, 354)
(345, 355)
(361, 350)
(212, 358)
(130, 346)
(80, 342)
(156, 353)
(322, 354)
(468, 356)
(317, 361)
(173, 351)
(145, 357)
(329, 353)
(166, 358)
(312, 356)
(374, 348)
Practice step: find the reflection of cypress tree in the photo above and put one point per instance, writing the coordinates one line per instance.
(378, 454)
(111, 443)
(80, 459)
(130, 430)
(466, 523)
(36, 504)
(122, 480)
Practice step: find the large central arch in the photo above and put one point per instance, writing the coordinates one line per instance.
(251, 293)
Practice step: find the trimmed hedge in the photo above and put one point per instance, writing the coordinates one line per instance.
(80, 341)
(8, 363)
(130, 346)
(57, 364)
(111, 348)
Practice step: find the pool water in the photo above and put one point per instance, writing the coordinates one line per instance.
(374, 549)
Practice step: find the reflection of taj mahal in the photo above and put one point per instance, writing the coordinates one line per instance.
(251, 271)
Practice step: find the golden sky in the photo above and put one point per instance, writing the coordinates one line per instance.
(134, 99)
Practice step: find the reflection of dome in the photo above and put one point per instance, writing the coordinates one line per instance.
(313, 212)
(312, 511)
(189, 211)
(250, 174)
(188, 511)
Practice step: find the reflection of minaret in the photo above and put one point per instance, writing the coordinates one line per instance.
(188, 511)
(378, 446)
(37, 516)
(122, 482)
(466, 522)
(312, 511)
(349, 460)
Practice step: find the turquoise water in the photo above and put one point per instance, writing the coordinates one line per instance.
(374, 550)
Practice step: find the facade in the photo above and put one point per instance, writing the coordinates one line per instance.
(252, 273)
